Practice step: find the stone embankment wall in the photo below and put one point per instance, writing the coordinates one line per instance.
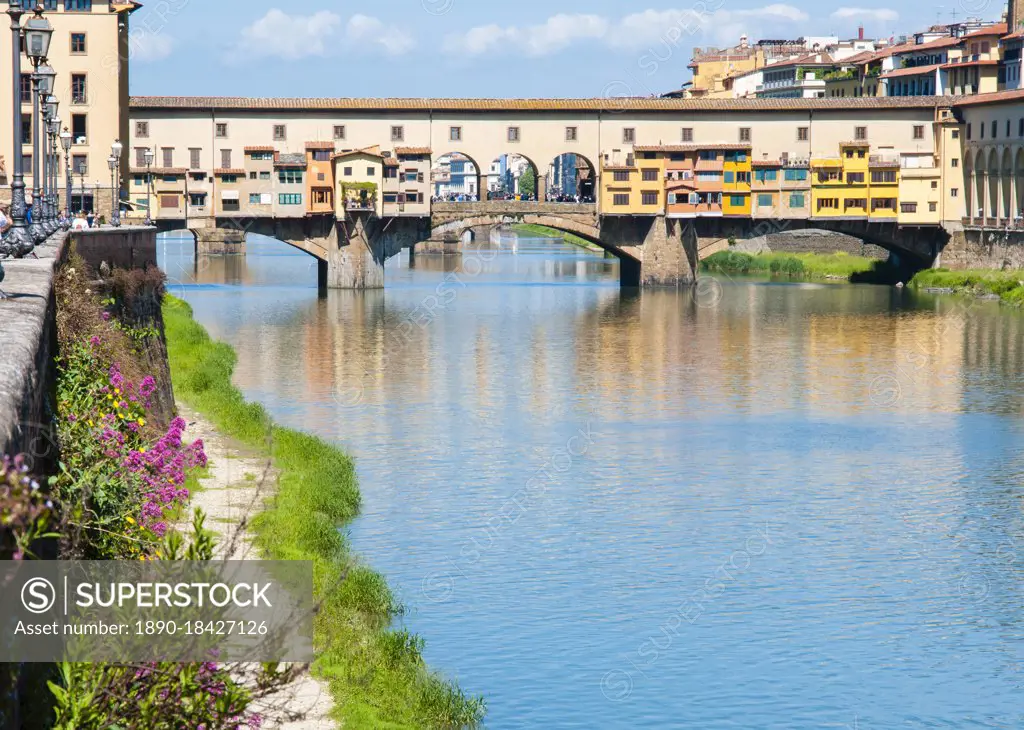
(973, 248)
(810, 241)
(28, 332)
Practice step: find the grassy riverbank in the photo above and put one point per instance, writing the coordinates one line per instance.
(377, 676)
(801, 265)
(570, 238)
(1007, 285)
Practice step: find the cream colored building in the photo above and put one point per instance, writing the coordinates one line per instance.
(90, 51)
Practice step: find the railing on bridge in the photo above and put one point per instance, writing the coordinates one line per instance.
(1000, 223)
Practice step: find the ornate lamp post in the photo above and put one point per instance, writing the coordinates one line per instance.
(44, 163)
(50, 103)
(149, 185)
(65, 142)
(42, 84)
(115, 182)
(54, 131)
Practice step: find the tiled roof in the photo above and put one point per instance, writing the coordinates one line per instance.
(997, 29)
(319, 145)
(855, 143)
(691, 147)
(412, 150)
(555, 105)
(765, 163)
(912, 71)
(391, 162)
(995, 97)
(260, 148)
(365, 151)
(619, 167)
(968, 64)
(709, 165)
(289, 159)
(228, 171)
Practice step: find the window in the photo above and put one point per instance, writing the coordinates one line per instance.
(193, 158)
(455, 134)
(254, 198)
(371, 171)
(860, 133)
(169, 178)
(252, 175)
(743, 176)
(80, 164)
(292, 177)
(968, 131)
(981, 129)
(321, 155)
(737, 201)
(883, 176)
(1007, 127)
(729, 176)
(628, 135)
(797, 175)
(919, 131)
(954, 162)
(956, 134)
(649, 174)
(168, 201)
(908, 207)
(995, 129)
(708, 176)
(26, 131)
(687, 134)
(222, 130)
(855, 178)
(571, 134)
(265, 175)
(168, 156)
(932, 207)
(513, 134)
(280, 132)
(390, 197)
(26, 88)
(935, 184)
(79, 127)
(766, 175)
(796, 200)
(289, 198)
(765, 200)
(802, 134)
(339, 131)
(321, 196)
(849, 154)
(230, 205)
(649, 197)
(744, 134)
(620, 199)
(261, 155)
(397, 134)
(225, 159)
(78, 43)
(953, 192)
(26, 160)
(229, 178)
(142, 130)
(621, 175)
(80, 5)
(140, 156)
(348, 172)
(824, 203)
(855, 203)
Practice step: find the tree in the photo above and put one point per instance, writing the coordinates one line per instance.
(528, 181)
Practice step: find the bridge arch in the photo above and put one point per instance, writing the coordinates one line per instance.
(456, 173)
(571, 175)
(992, 168)
(512, 174)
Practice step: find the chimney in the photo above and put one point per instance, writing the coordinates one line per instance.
(860, 32)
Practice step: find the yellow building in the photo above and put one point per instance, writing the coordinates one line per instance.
(636, 187)
(359, 175)
(736, 171)
(856, 183)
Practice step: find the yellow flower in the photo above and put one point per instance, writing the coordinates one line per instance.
(90, 423)
(143, 449)
(142, 422)
(117, 391)
(110, 397)
(129, 520)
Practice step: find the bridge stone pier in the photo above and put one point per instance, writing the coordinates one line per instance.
(219, 241)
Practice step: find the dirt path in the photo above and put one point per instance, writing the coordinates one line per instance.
(237, 484)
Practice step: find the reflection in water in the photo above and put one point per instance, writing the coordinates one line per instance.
(792, 506)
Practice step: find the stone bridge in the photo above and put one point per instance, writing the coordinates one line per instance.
(653, 250)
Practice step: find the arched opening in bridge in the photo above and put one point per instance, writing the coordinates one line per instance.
(970, 185)
(455, 178)
(993, 185)
(1005, 212)
(571, 178)
(514, 177)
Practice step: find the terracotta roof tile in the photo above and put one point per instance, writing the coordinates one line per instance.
(691, 147)
(228, 171)
(765, 163)
(554, 105)
(391, 162)
(260, 148)
(997, 29)
(319, 145)
(365, 151)
(412, 150)
(158, 170)
(912, 71)
(968, 64)
(995, 97)
(709, 165)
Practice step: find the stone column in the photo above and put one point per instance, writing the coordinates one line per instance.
(669, 253)
(219, 241)
(542, 188)
(358, 261)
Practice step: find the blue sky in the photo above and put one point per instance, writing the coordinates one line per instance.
(472, 47)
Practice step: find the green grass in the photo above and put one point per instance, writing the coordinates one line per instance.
(377, 675)
(802, 265)
(570, 238)
(1008, 285)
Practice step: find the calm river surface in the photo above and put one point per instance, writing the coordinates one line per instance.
(757, 506)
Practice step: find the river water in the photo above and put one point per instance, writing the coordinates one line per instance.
(754, 505)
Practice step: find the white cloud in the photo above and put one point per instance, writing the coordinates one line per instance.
(636, 31)
(869, 15)
(555, 34)
(294, 37)
(393, 40)
(145, 47)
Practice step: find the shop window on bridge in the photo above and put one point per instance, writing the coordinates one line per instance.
(828, 203)
(729, 176)
(289, 198)
(621, 175)
(883, 176)
(908, 207)
(855, 178)
(796, 200)
(765, 200)
(649, 174)
(294, 177)
(197, 199)
(861, 203)
(620, 199)
(687, 134)
(390, 197)
(648, 197)
(883, 204)
(796, 175)
(168, 201)
(743, 176)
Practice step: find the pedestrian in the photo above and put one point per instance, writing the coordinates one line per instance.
(90, 218)
(79, 223)
(5, 221)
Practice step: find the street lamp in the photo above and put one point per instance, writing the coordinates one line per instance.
(44, 143)
(54, 131)
(115, 182)
(149, 185)
(112, 163)
(51, 198)
(65, 142)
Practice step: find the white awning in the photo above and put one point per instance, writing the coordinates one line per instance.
(229, 195)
